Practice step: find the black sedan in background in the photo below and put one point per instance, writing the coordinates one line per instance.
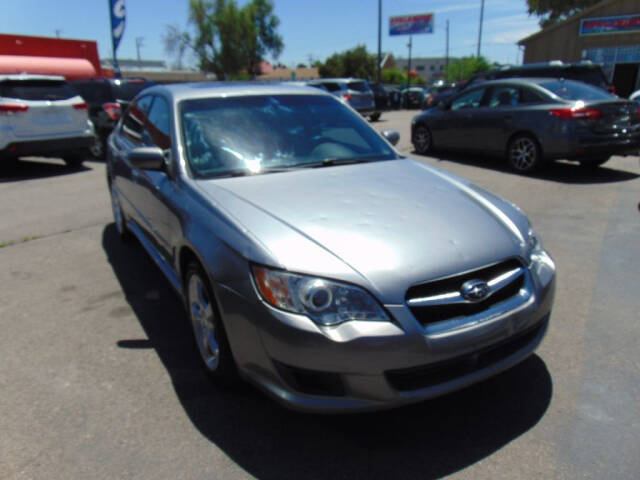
(531, 121)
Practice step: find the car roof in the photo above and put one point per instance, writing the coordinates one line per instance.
(185, 91)
(348, 79)
(30, 76)
(523, 81)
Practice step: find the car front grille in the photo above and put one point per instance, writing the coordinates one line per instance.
(441, 300)
(424, 376)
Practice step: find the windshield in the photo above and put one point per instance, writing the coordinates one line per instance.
(262, 133)
(570, 90)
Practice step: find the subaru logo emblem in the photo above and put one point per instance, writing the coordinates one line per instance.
(475, 290)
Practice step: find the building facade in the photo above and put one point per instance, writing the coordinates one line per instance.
(607, 33)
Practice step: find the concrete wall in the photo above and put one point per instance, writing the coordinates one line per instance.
(563, 42)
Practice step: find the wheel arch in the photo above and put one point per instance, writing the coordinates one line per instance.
(527, 133)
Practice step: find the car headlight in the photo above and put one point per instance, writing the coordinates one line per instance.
(324, 301)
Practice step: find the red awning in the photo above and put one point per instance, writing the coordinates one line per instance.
(66, 67)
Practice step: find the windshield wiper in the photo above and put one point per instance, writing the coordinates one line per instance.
(331, 161)
(245, 172)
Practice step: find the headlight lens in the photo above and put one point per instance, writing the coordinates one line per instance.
(325, 302)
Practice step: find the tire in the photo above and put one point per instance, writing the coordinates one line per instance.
(593, 162)
(523, 153)
(98, 148)
(374, 116)
(208, 330)
(422, 139)
(118, 216)
(74, 160)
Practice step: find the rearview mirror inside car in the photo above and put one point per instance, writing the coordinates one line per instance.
(147, 158)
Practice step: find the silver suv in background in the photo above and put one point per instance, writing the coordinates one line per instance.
(353, 91)
(42, 115)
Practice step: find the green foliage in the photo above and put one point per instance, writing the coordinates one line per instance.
(393, 76)
(465, 67)
(356, 62)
(554, 11)
(230, 40)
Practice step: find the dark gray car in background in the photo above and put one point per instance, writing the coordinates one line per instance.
(313, 259)
(530, 121)
(354, 91)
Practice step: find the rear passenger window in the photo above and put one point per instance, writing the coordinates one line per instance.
(503, 96)
(332, 87)
(529, 96)
(468, 100)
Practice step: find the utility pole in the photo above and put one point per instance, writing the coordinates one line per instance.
(409, 65)
(446, 55)
(480, 30)
(139, 44)
(58, 32)
(379, 40)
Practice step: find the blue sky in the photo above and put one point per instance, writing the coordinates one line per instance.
(315, 28)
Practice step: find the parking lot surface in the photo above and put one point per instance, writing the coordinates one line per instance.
(99, 377)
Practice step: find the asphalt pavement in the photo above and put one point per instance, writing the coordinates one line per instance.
(100, 379)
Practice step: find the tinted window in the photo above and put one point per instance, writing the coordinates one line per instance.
(570, 90)
(36, 89)
(358, 86)
(529, 96)
(332, 87)
(93, 92)
(256, 133)
(134, 120)
(158, 123)
(468, 100)
(503, 96)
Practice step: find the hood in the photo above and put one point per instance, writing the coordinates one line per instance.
(385, 225)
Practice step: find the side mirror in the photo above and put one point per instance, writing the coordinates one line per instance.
(147, 158)
(392, 136)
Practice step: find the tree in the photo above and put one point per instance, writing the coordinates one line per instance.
(554, 11)
(176, 42)
(356, 62)
(229, 40)
(393, 76)
(465, 67)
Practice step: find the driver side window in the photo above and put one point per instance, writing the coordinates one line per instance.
(468, 100)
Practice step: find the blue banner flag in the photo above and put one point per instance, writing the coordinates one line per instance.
(118, 17)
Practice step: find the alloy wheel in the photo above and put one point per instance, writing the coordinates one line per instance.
(523, 154)
(203, 320)
(422, 139)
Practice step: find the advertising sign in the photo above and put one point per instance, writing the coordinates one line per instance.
(411, 24)
(118, 16)
(608, 25)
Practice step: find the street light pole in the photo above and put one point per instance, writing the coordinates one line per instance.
(446, 56)
(480, 30)
(409, 65)
(379, 39)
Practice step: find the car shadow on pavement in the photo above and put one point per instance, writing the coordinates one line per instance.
(27, 169)
(563, 171)
(427, 440)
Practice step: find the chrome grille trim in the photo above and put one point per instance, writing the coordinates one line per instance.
(455, 297)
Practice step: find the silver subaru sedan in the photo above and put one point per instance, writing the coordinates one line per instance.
(314, 260)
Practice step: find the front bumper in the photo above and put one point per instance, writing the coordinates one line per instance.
(375, 365)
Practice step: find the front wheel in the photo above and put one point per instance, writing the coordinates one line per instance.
(118, 216)
(422, 140)
(208, 330)
(523, 153)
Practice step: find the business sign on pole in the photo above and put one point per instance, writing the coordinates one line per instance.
(609, 25)
(118, 17)
(411, 24)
